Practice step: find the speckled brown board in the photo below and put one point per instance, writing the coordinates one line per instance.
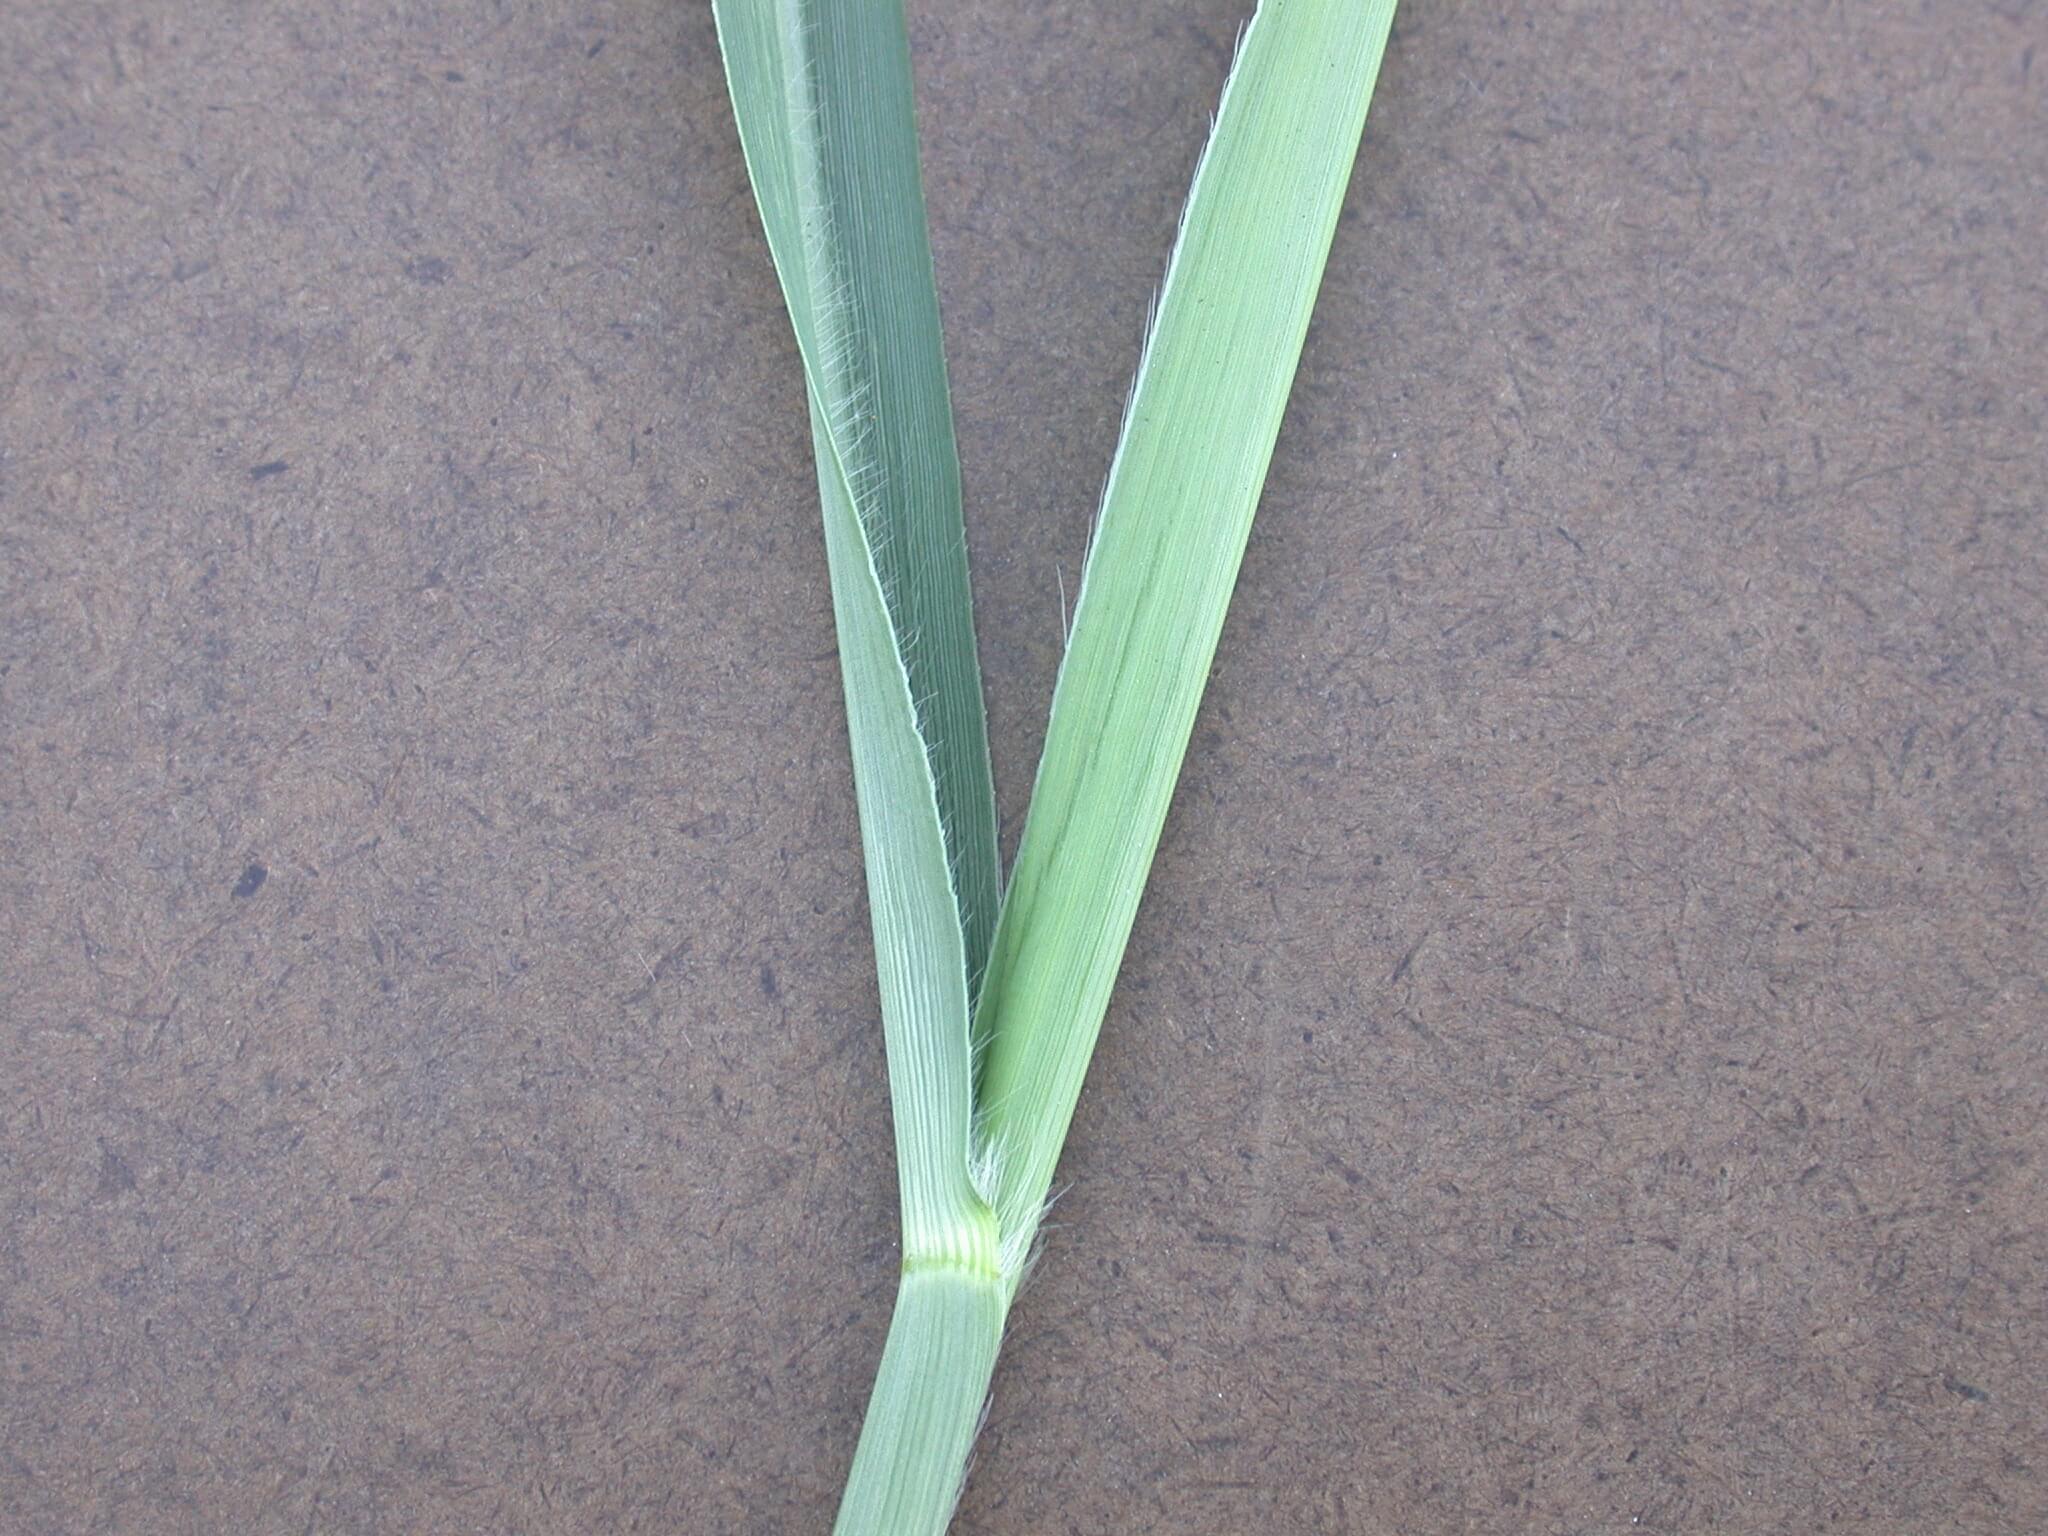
(1581, 1065)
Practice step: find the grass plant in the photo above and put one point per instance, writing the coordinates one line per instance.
(991, 995)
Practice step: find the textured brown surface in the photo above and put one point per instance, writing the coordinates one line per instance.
(1581, 1066)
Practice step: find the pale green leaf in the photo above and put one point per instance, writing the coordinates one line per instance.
(822, 96)
(1211, 388)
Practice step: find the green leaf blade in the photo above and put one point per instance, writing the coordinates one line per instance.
(823, 97)
(1211, 390)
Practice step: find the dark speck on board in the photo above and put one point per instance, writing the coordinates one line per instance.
(769, 987)
(264, 471)
(116, 1177)
(251, 882)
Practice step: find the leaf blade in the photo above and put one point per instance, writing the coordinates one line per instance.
(1212, 387)
(823, 95)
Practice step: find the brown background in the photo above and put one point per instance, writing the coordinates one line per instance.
(1581, 1065)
